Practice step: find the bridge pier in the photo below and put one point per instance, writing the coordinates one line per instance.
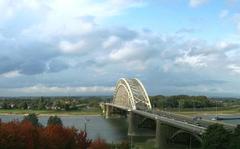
(131, 124)
(161, 135)
(108, 110)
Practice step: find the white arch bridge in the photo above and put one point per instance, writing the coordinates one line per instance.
(131, 100)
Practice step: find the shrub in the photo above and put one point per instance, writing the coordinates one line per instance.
(54, 120)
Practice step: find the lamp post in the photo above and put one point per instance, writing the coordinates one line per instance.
(85, 124)
(216, 109)
(190, 142)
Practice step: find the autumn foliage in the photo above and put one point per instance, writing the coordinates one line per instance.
(25, 135)
(99, 144)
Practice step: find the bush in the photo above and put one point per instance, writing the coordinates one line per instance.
(54, 120)
(235, 143)
(216, 137)
(32, 117)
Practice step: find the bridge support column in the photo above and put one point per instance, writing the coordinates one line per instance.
(161, 135)
(131, 124)
(108, 111)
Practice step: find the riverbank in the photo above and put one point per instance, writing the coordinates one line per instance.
(49, 112)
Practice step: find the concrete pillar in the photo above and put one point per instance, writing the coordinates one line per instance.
(161, 136)
(107, 111)
(103, 107)
(131, 124)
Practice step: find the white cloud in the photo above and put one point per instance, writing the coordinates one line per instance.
(226, 45)
(196, 3)
(233, 55)
(111, 42)
(133, 50)
(68, 47)
(234, 68)
(46, 90)
(62, 17)
(11, 74)
(10, 9)
(191, 60)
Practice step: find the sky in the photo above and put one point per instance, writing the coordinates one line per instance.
(82, 47)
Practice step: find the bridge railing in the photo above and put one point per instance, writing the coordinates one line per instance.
(192, 120)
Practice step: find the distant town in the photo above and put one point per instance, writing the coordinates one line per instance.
(91, 103)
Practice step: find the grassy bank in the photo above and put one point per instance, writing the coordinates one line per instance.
(49, 112)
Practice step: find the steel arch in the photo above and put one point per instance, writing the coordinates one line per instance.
(190, 133)
(131, 93)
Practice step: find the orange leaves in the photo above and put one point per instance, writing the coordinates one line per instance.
(24, 135)
(99, 144)
(58, 137)
(30, 134)
(10, 136)
(82, 141)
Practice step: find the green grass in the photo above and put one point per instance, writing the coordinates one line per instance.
(51, 112)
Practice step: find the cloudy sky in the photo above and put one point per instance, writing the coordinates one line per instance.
(82, 47)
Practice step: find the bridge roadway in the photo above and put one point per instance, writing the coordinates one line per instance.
(175, 120)
(169, 120)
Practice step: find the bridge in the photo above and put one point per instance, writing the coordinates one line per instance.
(131, 100)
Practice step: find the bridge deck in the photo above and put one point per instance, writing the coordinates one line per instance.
(165, 120)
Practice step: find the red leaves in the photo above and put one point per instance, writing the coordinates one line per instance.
(99, 144)
(30, 135)
(82, 141)
(18, 135)
(23, 135)
(58, 137)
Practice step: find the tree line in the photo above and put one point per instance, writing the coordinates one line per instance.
(51, 103)
(81, 103)
(183, 101)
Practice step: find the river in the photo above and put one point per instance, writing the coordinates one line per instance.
(234, 122)
(111, 130)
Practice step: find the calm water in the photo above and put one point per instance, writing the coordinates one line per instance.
(113, 130)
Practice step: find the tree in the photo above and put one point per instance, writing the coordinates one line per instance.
(99, 144)
(235, 143)
(54, 120)
(41, 104)
(82, 141)
(66, 107)
(32, 117)
(216, 137)
(24, 105)
(58, 137)
(5, 105)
